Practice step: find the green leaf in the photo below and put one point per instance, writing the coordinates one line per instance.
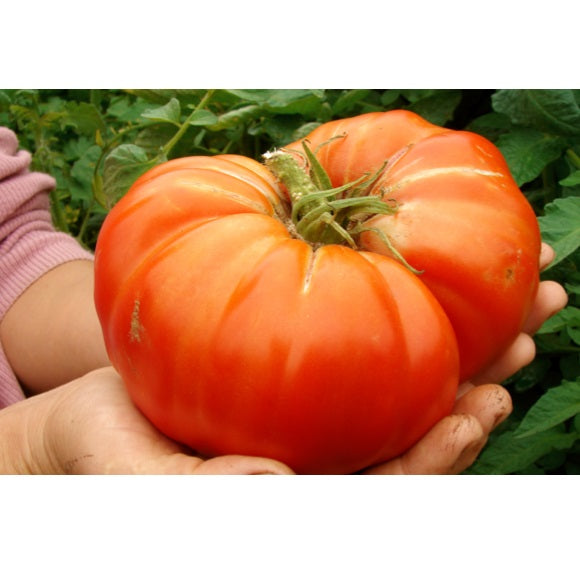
(202, 118)
(389, 97)
(574, 334)
(292, 102)
(560, 227)
(490, 125)
(509, 454)
(279, 129)
(568, 317)
(551, 110)
(414, 95)
(283, 101)
(161, 96)
(556, 406)
(302, 131)
(125, 110)
(572, 288)
(121, 168)
(168, 113)
(529, 376)
(5, 99)
(236, 117)
(528, 151)
(80, 185)
(438, 108)
(347, 100)
(85, 117)
(153, 137)
(572, 179)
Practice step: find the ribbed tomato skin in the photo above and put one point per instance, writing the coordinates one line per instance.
(235, 337)
(462, 220)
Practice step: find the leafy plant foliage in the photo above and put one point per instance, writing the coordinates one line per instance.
(97, 142)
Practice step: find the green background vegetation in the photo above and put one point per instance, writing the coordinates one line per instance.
(96, 142)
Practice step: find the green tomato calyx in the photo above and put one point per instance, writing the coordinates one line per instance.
(323, 214)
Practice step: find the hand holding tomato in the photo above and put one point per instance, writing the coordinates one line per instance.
(454, 443)
(90, 426)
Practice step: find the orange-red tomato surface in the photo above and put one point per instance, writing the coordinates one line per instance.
(462, 220)
(235, 336)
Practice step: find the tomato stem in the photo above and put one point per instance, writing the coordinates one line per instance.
(322, 213)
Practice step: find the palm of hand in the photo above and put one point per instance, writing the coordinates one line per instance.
(98, 430)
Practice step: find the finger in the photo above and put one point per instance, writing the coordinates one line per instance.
(450, 447)
(521, 353)
(551, 298)
(490, 404)
(242, 465)
(547, 254)
(183, 464)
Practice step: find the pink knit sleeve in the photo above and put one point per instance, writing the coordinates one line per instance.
(29, 245)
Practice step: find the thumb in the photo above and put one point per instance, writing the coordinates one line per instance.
(243, 465)
(183, 464)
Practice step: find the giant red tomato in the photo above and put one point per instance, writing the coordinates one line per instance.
(252, 318)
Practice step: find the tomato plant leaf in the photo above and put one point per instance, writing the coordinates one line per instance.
(279, 130)
(415, 95)
(125, 109)
(121, 168)
(162, 96)
(529, 376)
(303, 131)
(438, 108)
(568, 317)
(168, 113)
(236, 117)
(554, 407)
(390, 97)
(510, 454)
(560, 226)
(85, 117)
(553, 111)
(203, 117)
(4, 98)
(490, 125)
(347, 100)
(288, 101)
(82, 173)
(528, 151)
(572, 179)
(572, 288)
(153, 137)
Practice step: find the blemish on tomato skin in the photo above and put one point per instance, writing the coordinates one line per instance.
(136, 328)
(511, 271)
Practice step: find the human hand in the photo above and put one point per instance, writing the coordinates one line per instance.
(90, 426)
(454, 443)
